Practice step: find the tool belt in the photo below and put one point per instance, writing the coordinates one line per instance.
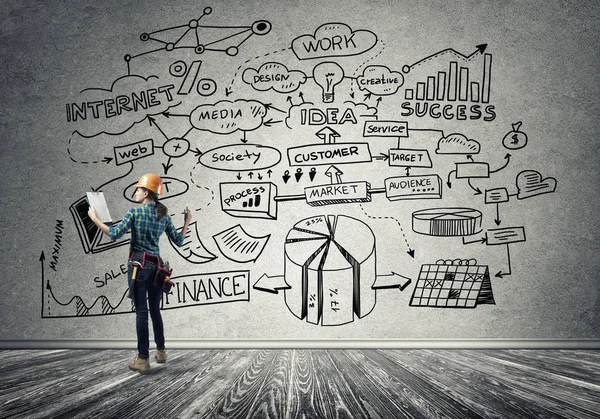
(163, 270)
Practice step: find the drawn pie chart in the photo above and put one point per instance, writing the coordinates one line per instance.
(330, 268)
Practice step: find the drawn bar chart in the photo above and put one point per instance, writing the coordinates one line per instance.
(454, 84)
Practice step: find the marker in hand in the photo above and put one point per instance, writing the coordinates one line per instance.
(186, 214)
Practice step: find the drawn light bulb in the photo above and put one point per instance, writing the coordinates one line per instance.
(328, 75)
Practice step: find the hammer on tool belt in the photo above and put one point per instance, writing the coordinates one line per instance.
(135, 265)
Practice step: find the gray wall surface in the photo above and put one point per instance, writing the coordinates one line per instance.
(356, 170)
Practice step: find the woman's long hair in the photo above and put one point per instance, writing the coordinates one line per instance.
(161, 209)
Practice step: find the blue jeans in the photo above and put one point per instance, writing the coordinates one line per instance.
(144, 286)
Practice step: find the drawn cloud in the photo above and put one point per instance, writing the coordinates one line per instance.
(333, 40)
(530, 183)
(297, 115)
(274, 76)
(380, 80)
(457, 144)
(226, 117)
(113, 111)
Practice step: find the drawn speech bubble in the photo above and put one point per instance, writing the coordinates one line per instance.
(129, 100)
(380, 80)
(310, 115)
(274, 76)
(333, 40)
(226, 117)
(240, 157)
(457, 144)
(172, 187)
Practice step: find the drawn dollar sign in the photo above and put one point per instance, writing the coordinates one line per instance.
(515, 139)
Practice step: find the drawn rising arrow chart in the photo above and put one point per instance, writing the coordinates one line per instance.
(480, 49)
(77, 307)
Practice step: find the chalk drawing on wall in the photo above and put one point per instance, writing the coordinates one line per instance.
(323, 120)
(330, 275)
(453, 284)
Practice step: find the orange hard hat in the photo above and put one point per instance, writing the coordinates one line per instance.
(151, 182)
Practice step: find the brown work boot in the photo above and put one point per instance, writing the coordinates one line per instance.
(161, 356)
(140, 365)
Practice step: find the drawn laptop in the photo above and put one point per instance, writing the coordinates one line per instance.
(92, 238)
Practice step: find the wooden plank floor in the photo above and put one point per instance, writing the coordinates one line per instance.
(302, 383)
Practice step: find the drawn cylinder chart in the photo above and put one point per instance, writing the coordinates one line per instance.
(330, 268)
(447, 221)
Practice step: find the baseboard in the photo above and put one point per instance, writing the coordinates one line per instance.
(313, 344)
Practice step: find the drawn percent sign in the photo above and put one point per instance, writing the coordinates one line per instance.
(205, 87)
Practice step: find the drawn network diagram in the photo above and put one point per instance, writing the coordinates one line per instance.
(323, 94)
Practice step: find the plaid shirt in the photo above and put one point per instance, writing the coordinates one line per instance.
(147, 229)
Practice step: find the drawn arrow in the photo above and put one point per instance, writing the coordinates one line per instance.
(501, 274)
(328, 135)
(334, 171)
(408, 171)
(497, 220)
(477, 190)
(392, 280)
(411, 251)
(480, 49)
(107, 159)
(470, 158)
(168, 114)
(301, 95)
(270, 122)
(382, 156)
(228, 91)
(367, 96)
(507, 158)
(271, 284)
(197, 152)
(167, 166)
(244, 139)
(270, 106)
(289, 99)
(42, 259)
(239, 176)
(450, 174)
(378, 102)
(269, 173)
(152, 121)
(479, 240)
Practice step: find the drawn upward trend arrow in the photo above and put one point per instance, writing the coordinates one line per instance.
(480, 49)
(42, 259)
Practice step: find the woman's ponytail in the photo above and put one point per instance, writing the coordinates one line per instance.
(161, 209)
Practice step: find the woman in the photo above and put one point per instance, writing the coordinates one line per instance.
(146, 224)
